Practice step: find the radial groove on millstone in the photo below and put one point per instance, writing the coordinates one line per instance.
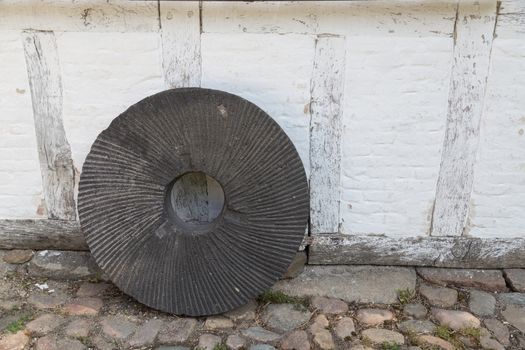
(124, 215)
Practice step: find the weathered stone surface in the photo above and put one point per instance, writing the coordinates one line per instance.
(218, 322)
(52, 343)
(177, 331)
(516, 279)
(172, 348)
(455, 319)
(102, 344)
(415, 310)
(323, 339)
(88, 289)
(436, 342)
(284, 317)
(146, 333)
(262, 347)
(243, 313)
(84, 306)
(499, 330)
(417, 326)
(235, 342)
(17, 341)
(356, 345)
(44, 301)
(439, 296)
(63, 265)
(117, 327)
(512, 298)
(296, 340)
(78, 328)
(380, 336)
(297, 265)
(481, 303)
(260, 334)
(9, 304)
(320, 322)
(329, 306)
(373, 317)
(44, 324)
(208, 341)
(17, 256)
(487, 342)
(367, 284)
(46, 343)
(490, 280)
(344, 328)
(515, 315)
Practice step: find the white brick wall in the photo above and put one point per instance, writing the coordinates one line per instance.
(20, 180)
(395, 101)
(399, 56)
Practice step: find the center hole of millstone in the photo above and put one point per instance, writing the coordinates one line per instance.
(195, 200)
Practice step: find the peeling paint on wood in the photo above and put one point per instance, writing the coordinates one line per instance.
(181, 48)
(325, 133)
(58, 178)
(356, 18)
(460, 252)
(473, 43)
(79, 16)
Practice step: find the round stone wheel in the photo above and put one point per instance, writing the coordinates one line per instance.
(155, 255)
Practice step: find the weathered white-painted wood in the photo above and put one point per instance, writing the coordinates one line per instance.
(79, 16)
(473, 42)
(181, 48)
(368, 18)
(460, 252)
(181, 66)
(511, 19)
(58, 177)
(41, 234)
(325, 133)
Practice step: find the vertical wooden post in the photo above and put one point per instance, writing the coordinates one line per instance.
(474, 33)
(54, 152)
(180, 27)
(325, 133)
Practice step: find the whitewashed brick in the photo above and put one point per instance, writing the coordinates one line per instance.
(103, 74)
(498, 199)
(273, 71)
(396, 94)
(20, 180)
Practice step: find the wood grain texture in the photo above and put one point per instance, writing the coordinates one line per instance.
(325, 133)
(41, 234)
(511, 19)
(58, 178)
(79, 16)
(180, 32)
(473, 43)
(460, 252)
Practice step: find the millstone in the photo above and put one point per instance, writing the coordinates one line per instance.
(182, 267)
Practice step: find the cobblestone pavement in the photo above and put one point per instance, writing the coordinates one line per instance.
(323, 307)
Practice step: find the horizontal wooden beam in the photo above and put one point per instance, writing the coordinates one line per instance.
(458, 252)
(41, 234)
(326, 249)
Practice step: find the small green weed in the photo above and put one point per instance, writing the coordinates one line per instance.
(220, 346)
(405, 296)
(281, 298)
(17, 325)
(391, 346)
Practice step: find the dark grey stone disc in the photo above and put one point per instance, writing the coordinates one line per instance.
(163, 262)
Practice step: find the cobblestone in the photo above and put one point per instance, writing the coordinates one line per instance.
(53, 315)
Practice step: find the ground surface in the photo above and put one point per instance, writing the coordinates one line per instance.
(324, 307)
